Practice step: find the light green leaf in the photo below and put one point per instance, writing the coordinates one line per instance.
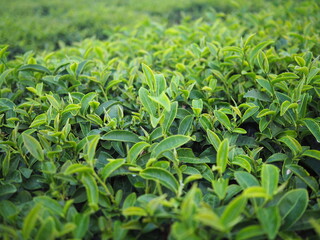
(92, 190)
(53, 102)
(135, 150)
(47, 230)
(213, 139)
(134, 211)
(285, 106)
(161, 84)
(121, 136)
(149, 105)
(222, 155)
(52, 205)
(223, 119)
(231, 214)
(312, 153)
(169, 117)
(111, 167)
(269, 178)
(242, 162)
(29, 221)
(270, 220)
(33, 146)
(77, 168)
(150, 78)
(249, 112)
(161, 175)
(246, 179)
(91, 147)
(249, 232)
(168, 144)
(292, 143)
(163, 100)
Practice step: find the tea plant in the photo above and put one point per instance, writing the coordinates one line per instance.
(208, 129)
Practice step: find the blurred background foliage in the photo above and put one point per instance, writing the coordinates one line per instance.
(49, 25)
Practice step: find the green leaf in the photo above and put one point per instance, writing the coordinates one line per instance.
(7, 188)
(52, 205)
(33, 146)
(53, 102)
(292, 143)
(292, 205)
(29, 221)
(242, 162)
(249, 112)
(223, 119)
(222, 155)
(85, 100)
(150, 78)
(254, 52)
(121, 136)
(135, 150)
(134, 211)
(213, 139)
(161, 175)
(313, 127)
(111, 167)
(285, 106)
(210, 218)
(255, 192)
(185, 125)
(46, 230)
(301, 173)
(168, 144)
(91, 189)
(246, 179)
(91, 147)
(161, 84)
(148, 104)
(255, 94)
(163, 100)
(77, 168)
(220, 187)
(169, 117)
(81, 221)
(231, 214)
(270, 220)
(249, 232)
(35, 68)
(265, 112)
(312, 153)
(269, 178)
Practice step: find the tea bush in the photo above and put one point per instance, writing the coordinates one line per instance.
(205, 129)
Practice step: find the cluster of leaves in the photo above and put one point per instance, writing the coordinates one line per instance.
(205, 130)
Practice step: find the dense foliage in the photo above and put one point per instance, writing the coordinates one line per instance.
(173, 129)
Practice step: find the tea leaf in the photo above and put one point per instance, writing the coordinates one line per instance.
(270, 220)
(313, 126)
(292, 205)
(269, 178)
(109, 168)
(30, 221)
(169, 144)
(291, 143)
(33, 146)
(91, 189)
(222, 155)
(149, 105)
(213, 139)
(121, 136)
(163, 176)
